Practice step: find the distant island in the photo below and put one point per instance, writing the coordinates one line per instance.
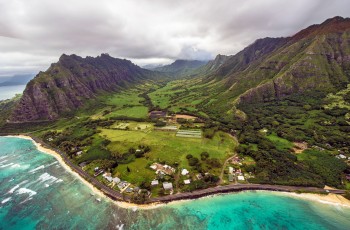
(22, 79)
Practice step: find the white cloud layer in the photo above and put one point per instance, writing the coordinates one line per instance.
(34, 33)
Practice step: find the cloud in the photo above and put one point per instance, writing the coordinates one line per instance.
(35, 33)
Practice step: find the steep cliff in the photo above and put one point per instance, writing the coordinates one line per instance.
(316, 58)
(67, 84)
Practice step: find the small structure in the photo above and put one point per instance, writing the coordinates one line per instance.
(230, 170)
(154, 182)
(240, 177)
(162, 169)
(189, 133)
(341, 156)
(199, 176)
(129, 189)
(83, 164)
(157, 114)
(79, 153)
(184, 172)
(167, 128)
(187, 181)
(167, 186)
(230, 178)
(116, 180)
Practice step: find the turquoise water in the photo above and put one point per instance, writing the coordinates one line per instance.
(7, 92)
(36, 192)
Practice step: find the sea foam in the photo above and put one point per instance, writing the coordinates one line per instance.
(37, 168)
(26, 191)
(4, 166)
(5, 200)
(45, 177)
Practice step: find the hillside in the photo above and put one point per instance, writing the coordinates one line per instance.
(317, 58)
(181, 67)
(67, 84)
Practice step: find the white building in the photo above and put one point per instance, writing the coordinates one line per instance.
(154, 182)
(168, 186)
(184, 172)
(187, 181)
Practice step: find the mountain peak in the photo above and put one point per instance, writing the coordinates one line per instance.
(332, 25)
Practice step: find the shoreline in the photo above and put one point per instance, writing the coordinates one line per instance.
(93, 189)
(330, 199)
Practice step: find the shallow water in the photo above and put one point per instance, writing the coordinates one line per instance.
(36, 192)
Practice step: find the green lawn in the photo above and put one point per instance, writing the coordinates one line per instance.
(165, 146)
(280, 143)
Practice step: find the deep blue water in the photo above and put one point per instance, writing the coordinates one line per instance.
(36, 192)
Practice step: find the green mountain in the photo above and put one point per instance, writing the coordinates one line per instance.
(73, 80)
(181, 67)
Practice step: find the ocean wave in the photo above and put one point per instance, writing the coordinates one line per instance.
(37, 168)
(3, 161)
(6, 200)
(26, 191)
(7, 165)
(16, 166)
(17, 186)
(45, 177)
(51, 164)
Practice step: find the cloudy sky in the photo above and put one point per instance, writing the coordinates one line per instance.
(34, 33)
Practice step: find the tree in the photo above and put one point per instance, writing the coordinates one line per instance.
(128, 169)
(204, 156)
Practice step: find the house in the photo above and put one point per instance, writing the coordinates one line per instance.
(79, 153)
(163, 169)
(240, 177)
(184, 172)
(83, 164)
(230, 178)
(187, 181)
(154, 182)
(230, 170)
(108, 177)
(129, 189)
(116, 180)
(199, 176)
(157, 114)
(167, 186)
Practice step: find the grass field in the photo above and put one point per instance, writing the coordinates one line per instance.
(165, 146)
(280, 143)
(125, 103)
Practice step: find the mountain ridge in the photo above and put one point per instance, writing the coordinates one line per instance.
(71, 81)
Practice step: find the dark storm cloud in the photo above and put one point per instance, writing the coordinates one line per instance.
(34, 33)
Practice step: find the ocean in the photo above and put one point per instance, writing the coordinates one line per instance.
(36, 192)
(8, 92)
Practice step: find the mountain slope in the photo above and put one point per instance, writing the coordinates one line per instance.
(315, 59)
(181, 67)
(67, 84)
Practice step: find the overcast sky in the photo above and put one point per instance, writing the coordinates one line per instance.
(34, 33)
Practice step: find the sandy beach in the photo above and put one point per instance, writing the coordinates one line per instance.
(95, 190)
(332, 199)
